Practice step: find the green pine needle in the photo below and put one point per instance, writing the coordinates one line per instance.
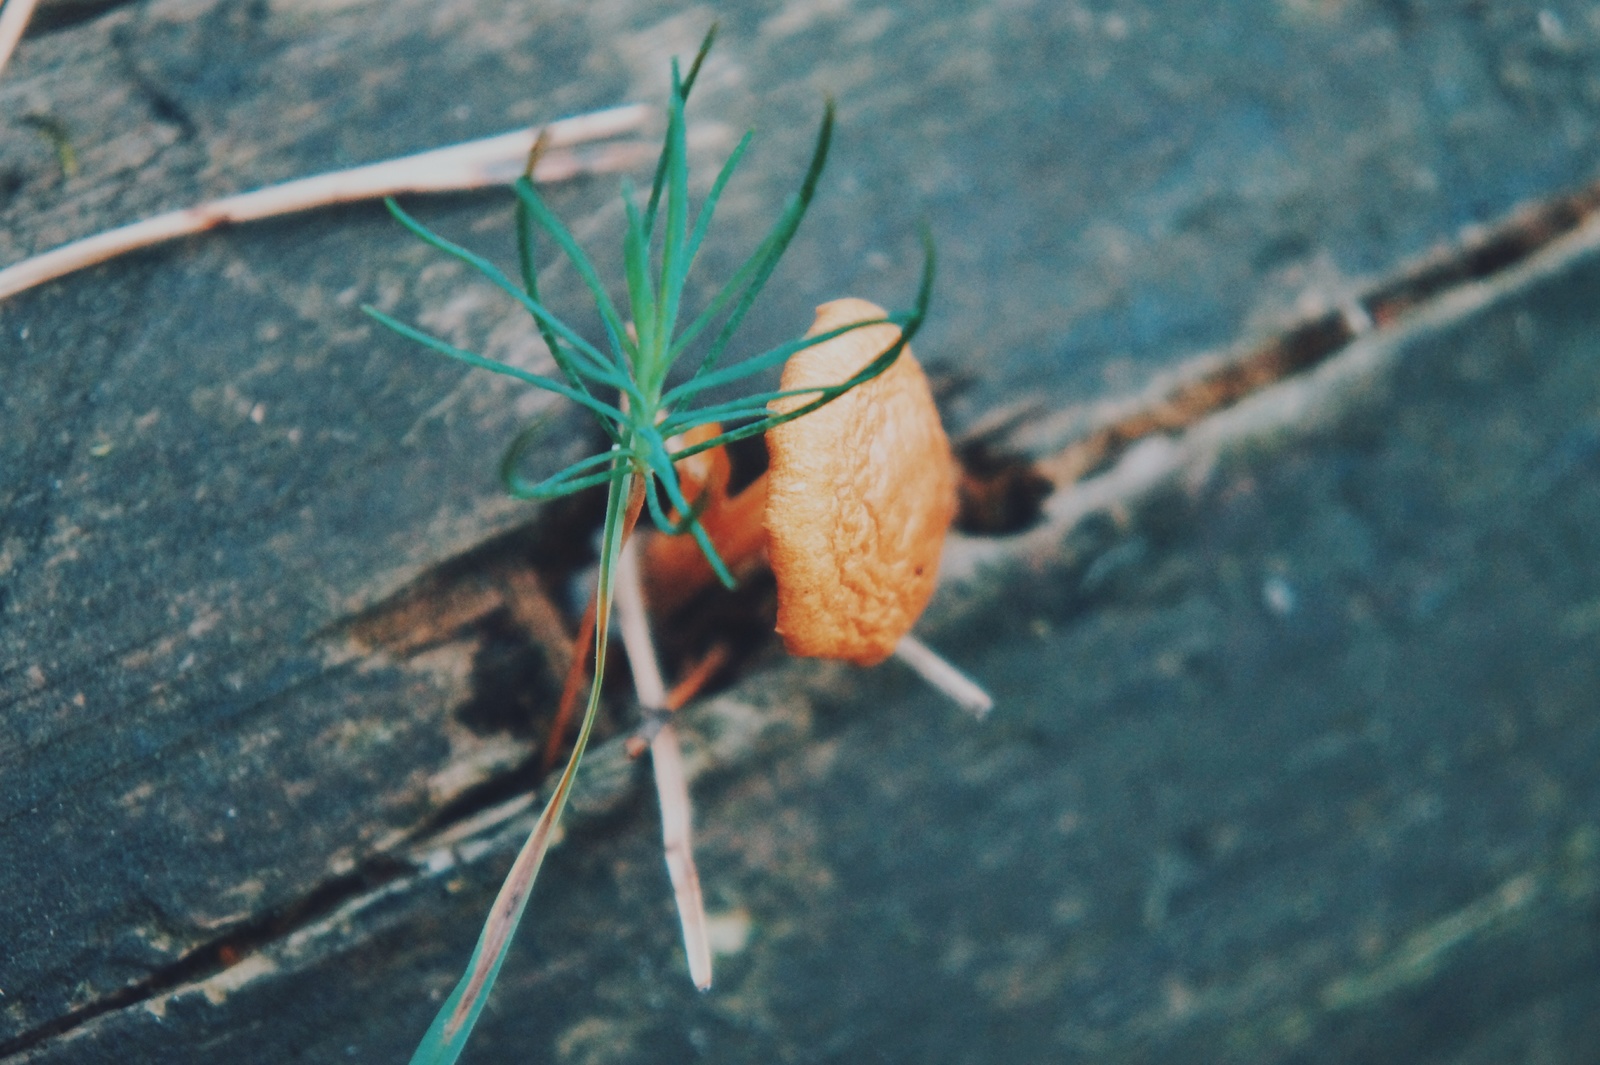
(638, 468)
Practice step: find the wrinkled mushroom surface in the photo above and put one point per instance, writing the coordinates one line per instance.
(860, 495)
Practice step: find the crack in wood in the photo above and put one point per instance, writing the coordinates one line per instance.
(224, 952)
(1480, 255)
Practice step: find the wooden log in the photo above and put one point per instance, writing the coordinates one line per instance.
(1294, 760)
(1282, 770)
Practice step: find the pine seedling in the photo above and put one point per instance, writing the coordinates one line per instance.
(623, 382)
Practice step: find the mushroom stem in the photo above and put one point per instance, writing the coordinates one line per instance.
(666, 757)
(927, 664)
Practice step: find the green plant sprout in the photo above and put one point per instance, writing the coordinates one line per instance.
(637, 470)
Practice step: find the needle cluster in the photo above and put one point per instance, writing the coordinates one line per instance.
(624, 383)
(634, 363)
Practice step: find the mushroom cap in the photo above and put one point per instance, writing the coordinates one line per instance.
(860, 495)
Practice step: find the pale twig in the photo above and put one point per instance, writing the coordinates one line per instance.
(633, 621)
(472, 165)
(690, 685)
(666, 757)
(13, 20)
(928, 665)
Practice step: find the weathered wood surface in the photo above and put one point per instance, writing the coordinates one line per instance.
(1296, 762)
(1299, 767)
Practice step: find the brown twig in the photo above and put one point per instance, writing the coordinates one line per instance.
(14, 18)
(471, 165)
(530, 604)
(698, 676)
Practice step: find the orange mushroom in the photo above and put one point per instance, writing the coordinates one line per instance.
(860, 495)
(675, 569)
(857, 500)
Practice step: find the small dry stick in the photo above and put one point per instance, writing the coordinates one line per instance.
(471, 165)
(928, 665)
(666, 757)
(691, 685)
(697, 677)
(13, 20)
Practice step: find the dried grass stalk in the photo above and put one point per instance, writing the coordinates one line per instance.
(471, 165)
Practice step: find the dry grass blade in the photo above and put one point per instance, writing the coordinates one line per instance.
(471, 165)
(666, 757)
(447, 1036)
(14, 18)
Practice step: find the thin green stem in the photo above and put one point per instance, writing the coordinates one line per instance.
(765, 361)
(564, 483)
(765, 260)
(708, 210)
(599, 366)
(564, 239)
(680, 94)
(472, 358)
(447, 1035)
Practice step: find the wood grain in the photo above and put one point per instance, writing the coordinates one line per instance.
(213, 468)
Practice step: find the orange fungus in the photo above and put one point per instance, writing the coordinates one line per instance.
(860, 495)
(675, 569)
